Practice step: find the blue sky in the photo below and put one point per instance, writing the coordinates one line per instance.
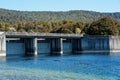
(62, 5)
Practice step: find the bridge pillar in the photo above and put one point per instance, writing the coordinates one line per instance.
(76, 46)
(30, 46)
(56, 46)
(35, 46)
(2, 44)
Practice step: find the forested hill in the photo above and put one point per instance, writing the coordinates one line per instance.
(13, 16)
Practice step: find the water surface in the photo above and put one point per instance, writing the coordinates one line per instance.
(79, 67)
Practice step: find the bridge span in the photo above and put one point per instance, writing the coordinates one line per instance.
(36, 43)
(16, 43)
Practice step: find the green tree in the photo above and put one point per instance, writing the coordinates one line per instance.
(20, 26)
(103, 26)
(64, 30)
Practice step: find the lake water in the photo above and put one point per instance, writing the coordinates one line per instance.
(70, 67)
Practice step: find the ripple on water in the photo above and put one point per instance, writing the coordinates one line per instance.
(62, 68)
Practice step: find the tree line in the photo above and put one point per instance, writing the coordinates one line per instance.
(100, 26)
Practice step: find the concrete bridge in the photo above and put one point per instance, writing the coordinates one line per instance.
(56, 44)
(36, 43)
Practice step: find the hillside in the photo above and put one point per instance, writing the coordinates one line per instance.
(13, 16)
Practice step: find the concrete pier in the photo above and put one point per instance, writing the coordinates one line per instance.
(76, 49)
(56, 46)
(2, 44)
(114, 44)
(30, 46)
(35, 46)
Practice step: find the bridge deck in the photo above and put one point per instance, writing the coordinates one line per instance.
(41, 35)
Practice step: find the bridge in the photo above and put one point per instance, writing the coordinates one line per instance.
(33, 41)
(16, 43)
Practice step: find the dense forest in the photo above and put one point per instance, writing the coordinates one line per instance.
(78, 22)
(13, 16)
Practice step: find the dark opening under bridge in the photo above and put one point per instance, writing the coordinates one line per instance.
(15, 43)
